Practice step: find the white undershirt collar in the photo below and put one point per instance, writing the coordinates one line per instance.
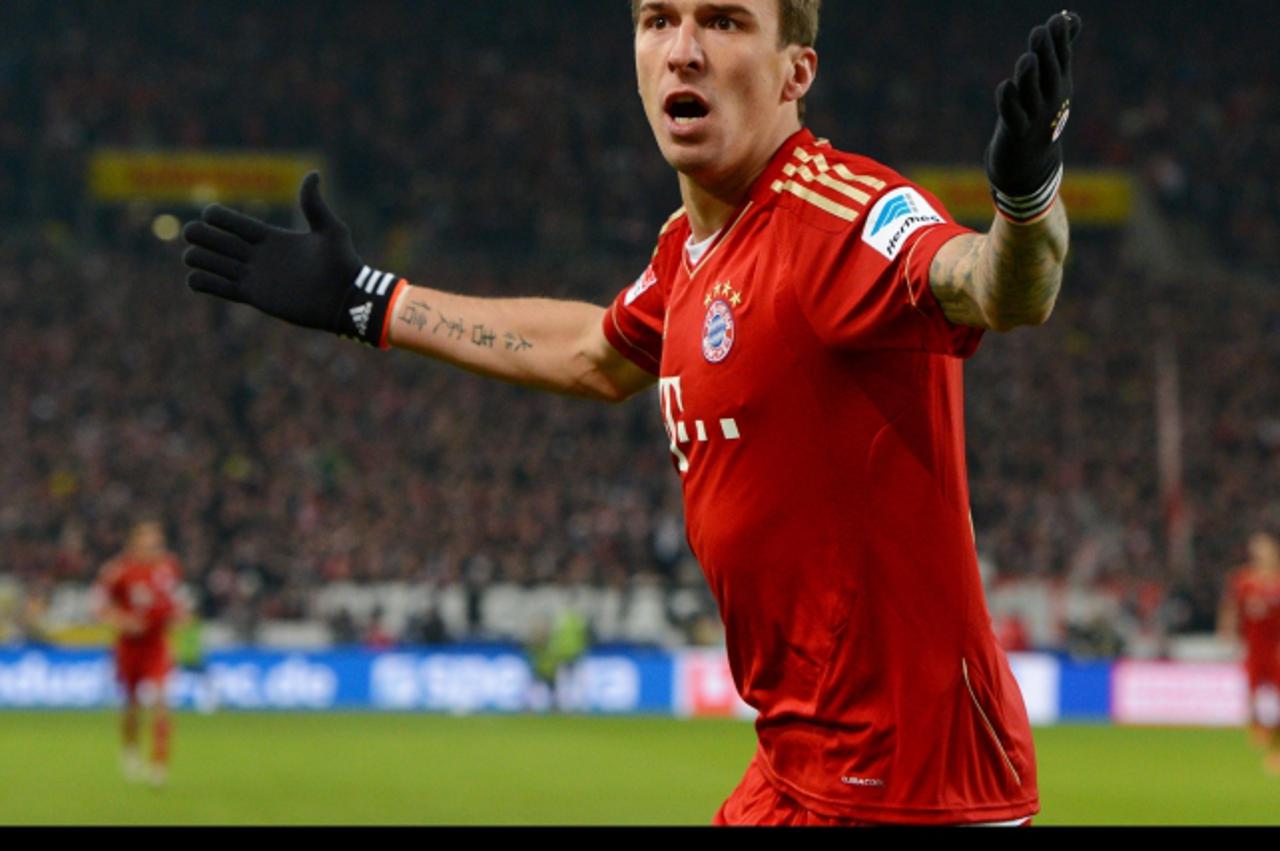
(696, 250)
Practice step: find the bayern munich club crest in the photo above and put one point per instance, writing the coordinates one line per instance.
(719, 328)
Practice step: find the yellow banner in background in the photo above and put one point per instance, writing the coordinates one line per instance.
(84, 635)
(1093, 196)
(198, 177)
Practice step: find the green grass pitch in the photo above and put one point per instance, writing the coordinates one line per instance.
(230, 768)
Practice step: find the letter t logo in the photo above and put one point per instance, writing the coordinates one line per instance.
(672, 404)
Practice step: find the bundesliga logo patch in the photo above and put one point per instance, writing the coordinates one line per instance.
(900, 213)
(643, 283)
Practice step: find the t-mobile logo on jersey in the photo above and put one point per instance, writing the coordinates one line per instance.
(672, 399)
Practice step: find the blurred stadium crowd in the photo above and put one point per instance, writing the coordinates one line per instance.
(499, 148)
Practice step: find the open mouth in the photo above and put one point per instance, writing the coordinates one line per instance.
(686, 108)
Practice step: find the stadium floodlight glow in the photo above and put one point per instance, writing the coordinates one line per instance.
(166, 227)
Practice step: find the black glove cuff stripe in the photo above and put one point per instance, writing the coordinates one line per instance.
(1026, 207)
(1035, 199)
(366, 309)
(374, 282)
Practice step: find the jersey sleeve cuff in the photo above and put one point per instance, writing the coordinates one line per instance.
(964, 339)
(626, 345)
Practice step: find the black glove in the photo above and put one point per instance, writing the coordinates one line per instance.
(312, 278)
(1024, 159)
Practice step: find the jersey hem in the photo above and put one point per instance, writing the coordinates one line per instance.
(921, 815)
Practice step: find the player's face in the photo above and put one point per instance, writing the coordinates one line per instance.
(1264, 550)
(147, 540)
(718, 90)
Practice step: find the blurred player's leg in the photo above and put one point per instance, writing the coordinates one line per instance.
(131, 757)
(128, 675)
(163, 727)
(1259, 734)
(1266, 715)
(161, 718)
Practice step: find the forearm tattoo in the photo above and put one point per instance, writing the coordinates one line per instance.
(417, 315)
(1009, 277)
(454, 329)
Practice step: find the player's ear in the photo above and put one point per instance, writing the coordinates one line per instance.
(802, 69)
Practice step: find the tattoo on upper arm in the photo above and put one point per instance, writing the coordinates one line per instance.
(955, 286)
(1009, 277)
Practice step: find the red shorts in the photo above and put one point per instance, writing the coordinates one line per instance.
(1261, 673)
(141, 662)
(757, 803)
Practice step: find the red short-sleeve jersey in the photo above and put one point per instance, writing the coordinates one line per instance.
(811, 389)
(1256, 598)
(146, 589)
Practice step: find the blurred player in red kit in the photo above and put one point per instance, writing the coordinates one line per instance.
(805, 317)
(1251, 611)
(138, 596)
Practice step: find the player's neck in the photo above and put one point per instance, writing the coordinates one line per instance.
(710, 202)
(708, 212)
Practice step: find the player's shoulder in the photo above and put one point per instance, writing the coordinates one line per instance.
(170, 565)
(1240, 578)
(112, 570)
(666, 257)
(671, 237)
(830, 191)
(872, 173)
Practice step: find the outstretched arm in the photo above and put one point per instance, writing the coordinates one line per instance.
(1007, 277)
(1011, 275)
(315, 279)
(1228, 626)
(547, 344)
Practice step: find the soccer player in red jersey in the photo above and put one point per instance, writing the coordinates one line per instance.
(1251, 611)
(805, 317)
(138, 597)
